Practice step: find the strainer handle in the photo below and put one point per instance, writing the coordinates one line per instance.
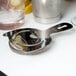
(60, 27)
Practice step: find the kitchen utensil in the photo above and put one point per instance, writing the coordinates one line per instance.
(30, 40)
(47, 11)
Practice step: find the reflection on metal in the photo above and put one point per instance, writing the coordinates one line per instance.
(30, 40)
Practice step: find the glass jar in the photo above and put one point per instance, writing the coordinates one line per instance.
(11, 14)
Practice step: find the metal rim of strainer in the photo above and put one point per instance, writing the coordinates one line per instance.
(29, 44)
(20, 51)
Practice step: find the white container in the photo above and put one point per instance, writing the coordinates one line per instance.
(11, 14)
(47, 11)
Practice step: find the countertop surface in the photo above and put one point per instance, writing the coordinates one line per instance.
(58, 60)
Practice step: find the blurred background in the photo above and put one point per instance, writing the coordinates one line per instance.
(28, 5)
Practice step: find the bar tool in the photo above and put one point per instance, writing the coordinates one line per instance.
(30, 40)
(47, 11)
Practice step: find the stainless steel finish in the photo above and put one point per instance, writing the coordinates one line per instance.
(47, 11)
(29, 40)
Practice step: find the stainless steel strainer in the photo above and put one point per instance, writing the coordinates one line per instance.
(29, 40)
